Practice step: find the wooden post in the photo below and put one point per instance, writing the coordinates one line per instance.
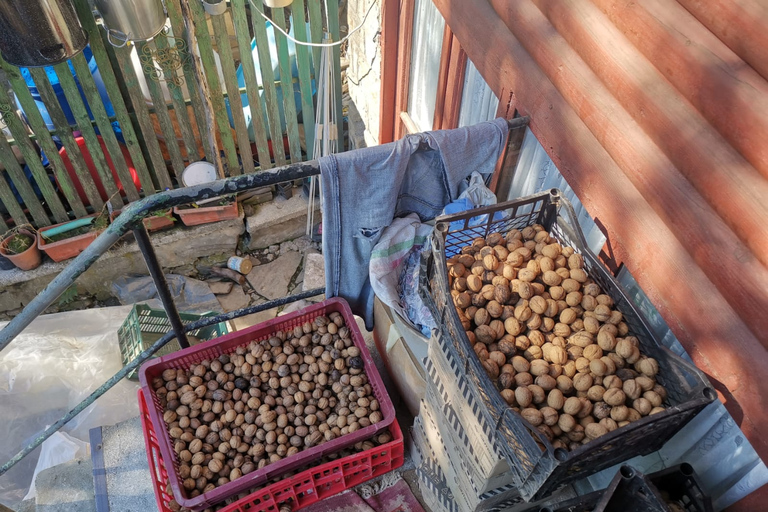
(390, 10)
(207, 130)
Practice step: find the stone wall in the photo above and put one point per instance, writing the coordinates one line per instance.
(364, 71)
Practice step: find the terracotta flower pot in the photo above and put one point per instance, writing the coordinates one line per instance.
(27, 260)
(207, 214)
(155, 222)
(67, 248)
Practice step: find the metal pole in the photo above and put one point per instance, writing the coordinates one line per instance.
(156, 271)
(134, 213)
(203, 322)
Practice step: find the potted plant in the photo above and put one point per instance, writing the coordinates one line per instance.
(157, 220)
(222, 208)
(20, 247)
(68, 239)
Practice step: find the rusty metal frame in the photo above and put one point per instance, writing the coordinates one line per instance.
(131, 220)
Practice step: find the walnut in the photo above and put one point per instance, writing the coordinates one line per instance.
(632, 389)
(539, 367)
(502, 294)
(523, 396)
(601, 410)
(532, 416)
(614, 397)
(491, 368)
(506, 380)
(566, 422)
(555, 399)
(595, 430)
(647, 366)
(485, 334)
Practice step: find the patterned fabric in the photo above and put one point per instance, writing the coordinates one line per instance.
(396, 498)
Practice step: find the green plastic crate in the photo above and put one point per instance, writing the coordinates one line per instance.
(144, 326)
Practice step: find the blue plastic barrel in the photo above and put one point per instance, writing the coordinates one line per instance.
(276, 70)
(54, 79)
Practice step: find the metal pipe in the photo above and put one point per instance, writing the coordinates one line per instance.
(134, 213)
(156, 271)
(204, 322)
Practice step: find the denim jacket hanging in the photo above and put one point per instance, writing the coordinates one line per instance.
(363, 190)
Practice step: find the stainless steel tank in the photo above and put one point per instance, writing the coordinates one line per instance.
(131, 20)
(36, 33)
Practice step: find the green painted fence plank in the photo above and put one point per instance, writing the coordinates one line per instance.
(316, 31)
(39, 127)
(180, 33)
(235, 100)
(18, 177)
(64, 132)
(212, 76)
(268, 82)
(93, 98)
(3, 225)
(10, 203)
(173, 82)
(161, 109)
(72, 94)
(289, 102)
(251, 84)
(159, 168)
(106, 70)
(305, 72)
(333, 25)
(35, 164)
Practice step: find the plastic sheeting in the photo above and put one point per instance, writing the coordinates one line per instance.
(47, 370)
(189, 295)
(428, 27)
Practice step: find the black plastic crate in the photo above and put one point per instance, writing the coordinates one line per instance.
(538, 469)
(680, 485)
(670, 490)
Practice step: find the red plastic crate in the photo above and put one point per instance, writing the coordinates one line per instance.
(227, 344)
(300, 490)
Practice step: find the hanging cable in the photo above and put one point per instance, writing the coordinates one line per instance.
(321, 45)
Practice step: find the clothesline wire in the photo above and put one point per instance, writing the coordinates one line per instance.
(305, 43)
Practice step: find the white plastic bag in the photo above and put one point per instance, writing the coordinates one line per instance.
(56, 362)
(477, 192)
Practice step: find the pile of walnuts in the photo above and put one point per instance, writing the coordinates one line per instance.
(379, 439)
(549, 337)
(264, 402)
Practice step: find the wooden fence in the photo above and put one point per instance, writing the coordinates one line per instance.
(149, 140)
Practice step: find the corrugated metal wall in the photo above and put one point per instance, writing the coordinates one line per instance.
(535, 171)
(478, 101)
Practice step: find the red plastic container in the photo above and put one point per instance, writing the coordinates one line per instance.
(301, 490)
(207, 214)
(227, 344)
(94, 173)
